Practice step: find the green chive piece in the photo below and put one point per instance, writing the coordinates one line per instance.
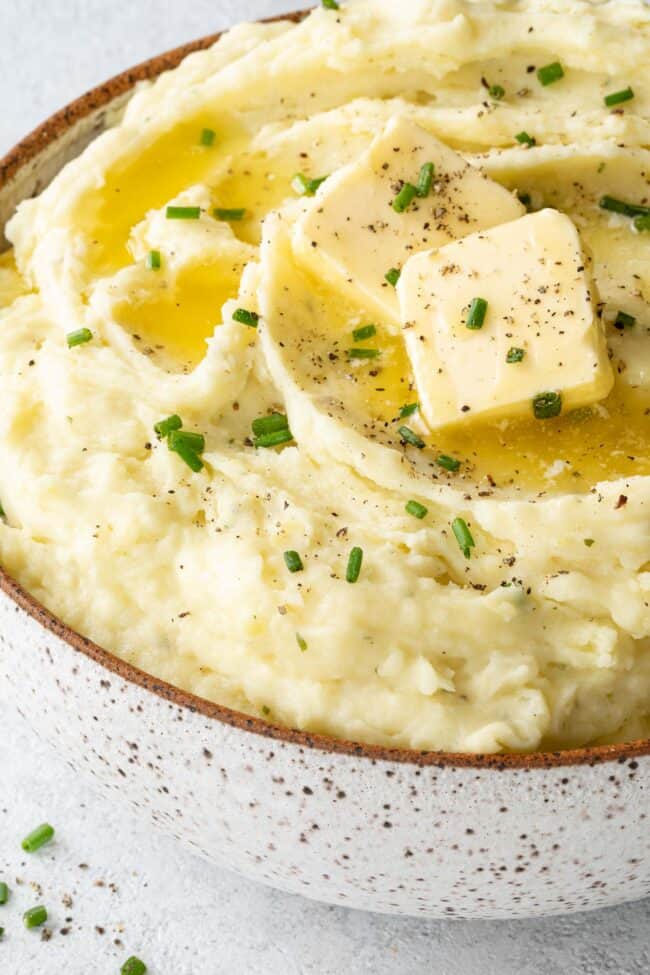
(207, 137)
(642, 222)
(2, 933)
(3, 513)
(392, 275)
(623, 320)
(363, 353)
(416, 509)
(524, 139)
(274, 439)
(547, 405)
(186, 452)
(330, 4)
(526, 199)
(153, 260)
(269, 424)
(245, 317)
(293, 561)
(410, 437)
(425, 179)
(622, 206)
(79, 337)
(497, 92)
(302, 643)
(133, 966)
(304, 186)
(550, 73)
(515, 355)
(183, 213)
(235, 213)
(408, 409)
(447, 462)
(4, 893)
(463, 536)
(476, 314)
(589, 541)
(38, 838)
(617, 97)
(195, 441)
(354, 564)
(364, 332)
(404, 198)
(164, 427)
(35, 917)
(266, 710)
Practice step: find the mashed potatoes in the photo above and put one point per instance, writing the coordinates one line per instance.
(194, 263)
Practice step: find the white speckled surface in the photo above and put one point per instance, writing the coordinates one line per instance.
(179, 914)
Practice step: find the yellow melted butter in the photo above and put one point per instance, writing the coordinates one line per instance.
(147, 180)
(173, 321)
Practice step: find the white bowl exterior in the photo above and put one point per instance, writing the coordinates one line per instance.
(380, 835)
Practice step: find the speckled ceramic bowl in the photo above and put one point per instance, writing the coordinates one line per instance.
(396, 831)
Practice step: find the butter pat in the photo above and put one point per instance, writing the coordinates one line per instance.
(531, 272)
(351, 233)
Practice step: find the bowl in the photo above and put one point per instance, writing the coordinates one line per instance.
(403, 832)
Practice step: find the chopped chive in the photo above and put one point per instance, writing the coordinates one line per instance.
(207, 137)
(476, 314)
(515, 355)
(195, 441)
(165, 427)
(302, 643)
(623, 320)
(269, 424)
(4, 893)
(589, 541)
(183, 213)
(416, 509)
(266, 710)
(274, 439)
(354, 564)
(642, 222)
(497, 92)
(133, 966)
(404, 198)
(38, 838)
(185, 451)
(364, 332)
(153, 260)
(392, 275)
(330, 4)
(463, 536)
(526, 199)
(304, 186)
(617, 97)
(410, 437)
(614, 205)
(3, 513)
(524, 139)
(550, 73)
(363, 353)
(447, 462)
(35, 917)
(78, 337)
(408, 409)
(235, 213)
(425, 179)
(245, 317)
(2, 933)
(547, 405)
(293, 561)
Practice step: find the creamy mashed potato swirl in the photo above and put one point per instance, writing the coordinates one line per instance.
(537, 635)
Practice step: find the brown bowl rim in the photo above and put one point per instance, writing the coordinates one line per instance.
(23, 153)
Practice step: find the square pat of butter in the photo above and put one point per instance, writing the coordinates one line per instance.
(351, 233)
(501, 317)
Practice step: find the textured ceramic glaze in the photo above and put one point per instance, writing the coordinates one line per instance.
(388, 831)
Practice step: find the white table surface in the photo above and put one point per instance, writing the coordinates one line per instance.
(138, 892)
